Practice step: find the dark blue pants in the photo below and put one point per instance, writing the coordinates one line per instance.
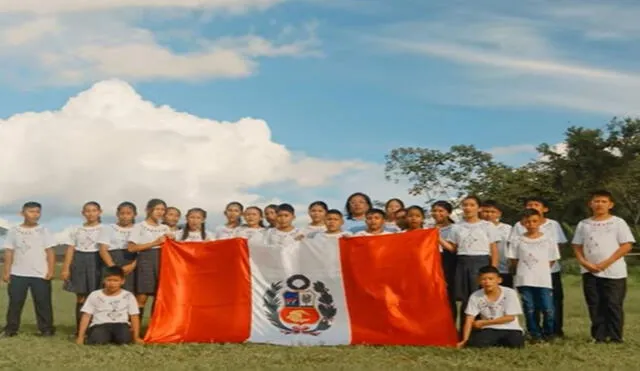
(40, 292)
(538, 299)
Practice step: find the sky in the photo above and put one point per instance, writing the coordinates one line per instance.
(202, 102)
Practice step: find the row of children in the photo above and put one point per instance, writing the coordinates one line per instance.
(530, 249)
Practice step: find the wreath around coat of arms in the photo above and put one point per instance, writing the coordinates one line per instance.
(308, 312)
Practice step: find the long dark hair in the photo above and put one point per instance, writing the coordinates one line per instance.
(240, 206)
(347, 208)
(261, 224)
(93, 203)
(130, 205)
(444, 205)
(203, 232)
(152, 203)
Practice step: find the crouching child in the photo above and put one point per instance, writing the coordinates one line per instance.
(110, 315)
(497, 308)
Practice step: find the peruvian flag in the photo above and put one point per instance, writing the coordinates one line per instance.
(380, 290)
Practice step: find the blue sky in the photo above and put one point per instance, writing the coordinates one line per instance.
(340, 80)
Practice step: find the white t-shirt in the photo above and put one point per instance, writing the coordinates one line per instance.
(29, 247)
(195, 236)
(533, 256)
(474, 238)
(550, 228)
(110, 309)
(504, 232)
(365, 233)
(115, 236)
(85, 239)
(144, 232)
(507, 304)
(311, 230)
(275, 237)
(224, 233)
(600, 239)
(248, 232)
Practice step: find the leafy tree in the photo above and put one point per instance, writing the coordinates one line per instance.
(589, 159)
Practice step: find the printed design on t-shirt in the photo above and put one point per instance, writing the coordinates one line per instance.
(120, 237)
(530, 260)
(470, 236)
(86, 238)
(491, 310)
(115, 313)
(24, 246)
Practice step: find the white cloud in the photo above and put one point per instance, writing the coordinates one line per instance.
(526, 60)
(68, 6)
(80, 48)
(109, 144)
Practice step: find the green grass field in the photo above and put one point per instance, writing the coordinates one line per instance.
(28, 352)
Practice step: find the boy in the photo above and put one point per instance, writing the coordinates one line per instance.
(375, 219)
(493, 213)
(107, 313)
(401, 219)
(550, 228)
(533, 254)
(29, 262)
(334, 221)
(600, 244)
(498, 308)
(284, 234)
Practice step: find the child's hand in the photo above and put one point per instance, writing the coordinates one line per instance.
(127, 269)
(461, 344)
(601, 266)
(592, 268)
(48, 276)
(160, 240)
(6, 277)
(479, 324)
(65, 275)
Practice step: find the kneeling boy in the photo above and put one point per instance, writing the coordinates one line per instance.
(498, 308)
(107, 313)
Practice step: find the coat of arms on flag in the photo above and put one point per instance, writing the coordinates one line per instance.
(300, 307)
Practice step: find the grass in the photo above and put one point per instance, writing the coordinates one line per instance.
(28, 352)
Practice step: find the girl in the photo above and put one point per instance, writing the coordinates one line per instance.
(146, 239)
(171, 219)
(254, 225)
(114, 243)
(81, 267)
(233, 212)
(475, 241)
(357, 206)
(441, 214)
(271, 214)
(195, 230)
(391, 207)
(415, 218)
(317, 213)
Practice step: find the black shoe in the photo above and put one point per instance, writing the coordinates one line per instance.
(6, 334)
(616, 341)
(47, 334)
